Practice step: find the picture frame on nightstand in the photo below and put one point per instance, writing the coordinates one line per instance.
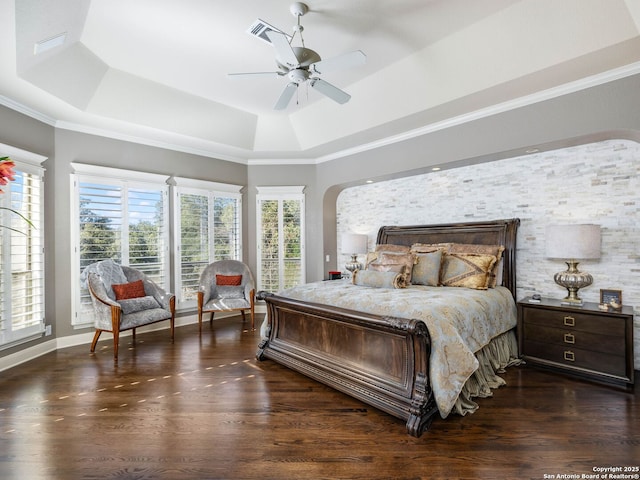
(608, 296)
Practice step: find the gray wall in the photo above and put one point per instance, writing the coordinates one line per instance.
(606, 111)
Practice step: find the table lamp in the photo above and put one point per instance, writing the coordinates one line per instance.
(353, 244)
(573, 243)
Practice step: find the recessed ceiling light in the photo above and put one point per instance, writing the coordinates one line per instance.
(435, 169)
(369, 181)
(49, 43)
(532, 150)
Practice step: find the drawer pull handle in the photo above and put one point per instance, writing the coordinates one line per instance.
(569, 338)
(570, 321)
(569, 356)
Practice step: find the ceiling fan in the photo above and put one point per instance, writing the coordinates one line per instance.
(301, 64)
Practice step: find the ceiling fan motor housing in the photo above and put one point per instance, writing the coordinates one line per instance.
(298, 9)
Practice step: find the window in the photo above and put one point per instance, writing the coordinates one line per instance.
(280, 229)
(208, 228)
(121, 215)
(22, 253)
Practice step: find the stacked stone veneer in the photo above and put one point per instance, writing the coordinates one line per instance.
(595, 183)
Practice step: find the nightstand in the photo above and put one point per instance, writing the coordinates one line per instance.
(583, 341)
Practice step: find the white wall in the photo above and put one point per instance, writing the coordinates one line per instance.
(596, 183)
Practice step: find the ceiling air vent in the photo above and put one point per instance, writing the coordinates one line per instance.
(259, 29)
(49, 43)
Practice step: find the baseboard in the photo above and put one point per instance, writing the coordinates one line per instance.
(54, 344)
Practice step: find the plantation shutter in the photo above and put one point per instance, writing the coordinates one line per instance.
(124, 219)
(209, 228)
(280, 237)
(22, 256)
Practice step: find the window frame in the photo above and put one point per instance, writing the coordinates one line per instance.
(280, 194)
(26, 163)
(130, 180)
(211, 190)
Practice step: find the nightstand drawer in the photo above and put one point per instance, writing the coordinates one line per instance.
(569, 338)
(579, 321)
(576, 358)
(583, 341)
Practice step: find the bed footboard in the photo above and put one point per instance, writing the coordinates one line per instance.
(382, 361)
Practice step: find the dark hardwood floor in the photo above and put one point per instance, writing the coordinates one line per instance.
(206, 409)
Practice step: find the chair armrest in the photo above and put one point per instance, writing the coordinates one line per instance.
(160, 294)
(99, 291)
(249, 290)
(207, 285)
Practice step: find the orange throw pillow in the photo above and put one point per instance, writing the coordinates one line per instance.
(125, 291)
(228, 280)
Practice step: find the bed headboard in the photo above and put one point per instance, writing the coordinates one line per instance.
(495, 232)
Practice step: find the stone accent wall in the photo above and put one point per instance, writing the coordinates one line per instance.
(595, 183)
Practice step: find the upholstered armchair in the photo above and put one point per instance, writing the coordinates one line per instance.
(124, 299)
(226, 285)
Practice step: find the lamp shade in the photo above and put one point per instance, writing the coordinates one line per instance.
(354, 243)
(573, 241)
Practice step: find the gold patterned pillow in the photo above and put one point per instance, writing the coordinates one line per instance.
(386, 259)
(495, 250)
(467, 270)
(390, 247)
(430, 247)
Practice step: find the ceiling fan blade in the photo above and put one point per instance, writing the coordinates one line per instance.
(284, 52)
(334, 93)
(286, 95)
(347, 60)
(257, 74)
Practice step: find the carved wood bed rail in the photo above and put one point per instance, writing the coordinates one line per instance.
(382, 361)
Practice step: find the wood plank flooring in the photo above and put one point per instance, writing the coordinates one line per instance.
(206, 409)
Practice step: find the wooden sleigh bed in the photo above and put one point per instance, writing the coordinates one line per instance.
(382, 360)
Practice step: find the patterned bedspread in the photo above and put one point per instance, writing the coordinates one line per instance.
(461, 321)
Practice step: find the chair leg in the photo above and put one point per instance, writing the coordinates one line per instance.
(243, 317)
(116, 338)
(133, 336)
(211, 319)
(95, 340)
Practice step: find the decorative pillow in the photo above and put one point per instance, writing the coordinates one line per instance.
(372, 278)
(138, 304)
(371, 257)
(430, 247)
(388, 258)
(495, 250)
(386, 267)
(124, 291)
(228, 280)
(230, 291)
(467, 270)
(426, 271)
(389, 247)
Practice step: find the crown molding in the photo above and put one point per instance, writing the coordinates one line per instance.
(549, 94)
(217, 151)
(28, 111)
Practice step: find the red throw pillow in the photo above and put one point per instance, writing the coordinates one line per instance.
(124, 291)
(228, 280)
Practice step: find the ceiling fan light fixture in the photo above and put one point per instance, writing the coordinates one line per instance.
(298, 75)
(298, 64)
